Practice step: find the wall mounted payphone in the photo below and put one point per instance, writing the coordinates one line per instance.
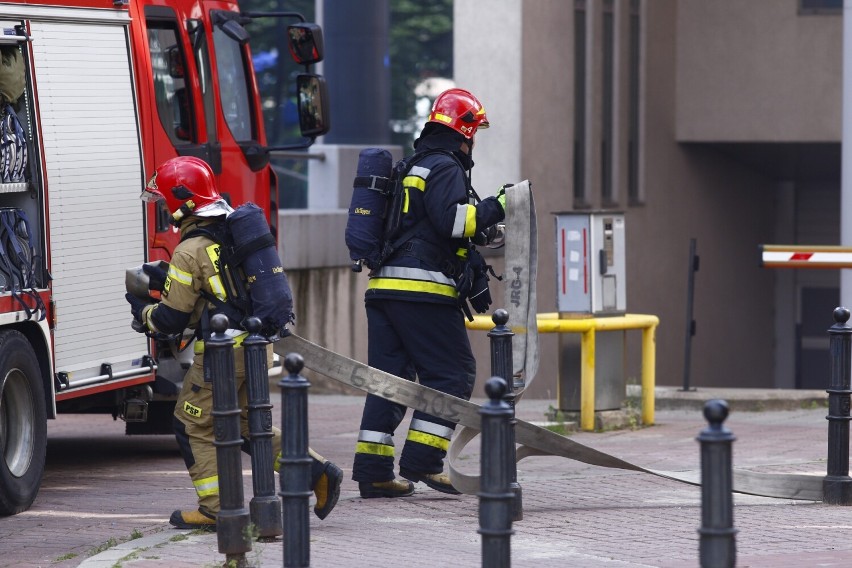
(590, 282)
(590, 263)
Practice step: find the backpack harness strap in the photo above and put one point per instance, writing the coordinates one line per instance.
(239, 254)
(407, 244)
(376, 183)
(234, 314)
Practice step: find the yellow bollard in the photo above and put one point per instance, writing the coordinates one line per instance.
(551, 323)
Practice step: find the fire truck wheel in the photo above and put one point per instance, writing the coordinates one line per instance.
(23, 424)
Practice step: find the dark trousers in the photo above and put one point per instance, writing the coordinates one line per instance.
(413, 340)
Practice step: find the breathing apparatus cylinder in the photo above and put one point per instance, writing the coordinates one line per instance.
(365, 226)
(256, 254)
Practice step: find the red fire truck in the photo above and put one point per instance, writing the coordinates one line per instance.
(104, 90)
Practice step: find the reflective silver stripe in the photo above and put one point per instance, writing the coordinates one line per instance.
(431, 428)
(180, 276)
(407, 273)
(419, 171)
(458, 224)
(375, 437)
(216, 286)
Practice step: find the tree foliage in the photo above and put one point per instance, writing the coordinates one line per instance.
(421, 46)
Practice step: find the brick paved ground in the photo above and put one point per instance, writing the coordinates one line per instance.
(574, 514)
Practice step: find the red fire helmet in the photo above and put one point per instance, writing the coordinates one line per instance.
(459, 110)
(187, 185)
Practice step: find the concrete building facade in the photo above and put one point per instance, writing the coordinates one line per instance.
(715, 121)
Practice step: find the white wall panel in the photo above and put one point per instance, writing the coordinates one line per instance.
(94, 176)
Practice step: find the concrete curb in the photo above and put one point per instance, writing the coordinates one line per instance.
(120, 552)
(739, 399)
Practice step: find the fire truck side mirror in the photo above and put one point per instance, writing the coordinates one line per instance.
(313, 107)
(305, 43)
(234, 30)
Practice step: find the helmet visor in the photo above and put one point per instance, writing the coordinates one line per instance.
(151, 193)
(151, 196)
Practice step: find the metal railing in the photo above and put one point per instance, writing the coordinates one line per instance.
(551, 323)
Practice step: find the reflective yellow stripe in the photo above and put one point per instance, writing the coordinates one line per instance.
(216, 286)
(238, 340)
(464, 222)
(429, 439)
(207, 486)
(374, 449)
(442, 117)
(213, 253)
(470, 221)
(180, 276)
(414, 181)
(405, 200)
(412, 286)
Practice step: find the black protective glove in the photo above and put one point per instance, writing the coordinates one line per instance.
(136, 306)
(473, 285)
(156, 277)
(485, 236)
(480, 296)
(463, 287)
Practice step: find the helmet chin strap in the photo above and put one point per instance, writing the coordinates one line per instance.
(179, 215)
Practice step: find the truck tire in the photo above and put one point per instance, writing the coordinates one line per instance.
(23, 424)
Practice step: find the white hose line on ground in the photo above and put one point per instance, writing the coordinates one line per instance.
(533, 440)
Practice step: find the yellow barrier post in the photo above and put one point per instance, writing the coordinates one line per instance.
(587, 380)
(649, 362)
(551, 323)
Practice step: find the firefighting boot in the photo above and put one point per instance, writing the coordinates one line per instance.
(193, 520)
(392, 488)
(325, 482)
(437, 481)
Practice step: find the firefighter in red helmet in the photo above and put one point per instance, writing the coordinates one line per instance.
(188, 188)
(417, 300)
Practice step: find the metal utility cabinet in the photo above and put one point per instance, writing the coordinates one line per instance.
(590, 274)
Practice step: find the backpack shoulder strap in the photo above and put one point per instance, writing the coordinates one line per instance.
(391, 246)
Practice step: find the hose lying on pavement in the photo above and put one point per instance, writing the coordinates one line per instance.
(533, 440)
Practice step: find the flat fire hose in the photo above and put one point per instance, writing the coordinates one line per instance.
(521, 259)
(534, 440)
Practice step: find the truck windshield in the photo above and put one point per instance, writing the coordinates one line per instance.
(233, 86)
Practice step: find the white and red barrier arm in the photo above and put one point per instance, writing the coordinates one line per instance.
(805, 256)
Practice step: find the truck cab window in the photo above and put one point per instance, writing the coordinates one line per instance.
(171, 90)
(200, 50)
(233, 86)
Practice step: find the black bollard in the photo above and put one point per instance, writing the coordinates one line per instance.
(295, 464)
(837, 485)
(232, 523)
(265, 506)
(495, 495)
(502, 366)
(717, 547)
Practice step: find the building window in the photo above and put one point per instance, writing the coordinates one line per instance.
(812, 7)
(607, 107)
(580, 104)
(634, 58)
